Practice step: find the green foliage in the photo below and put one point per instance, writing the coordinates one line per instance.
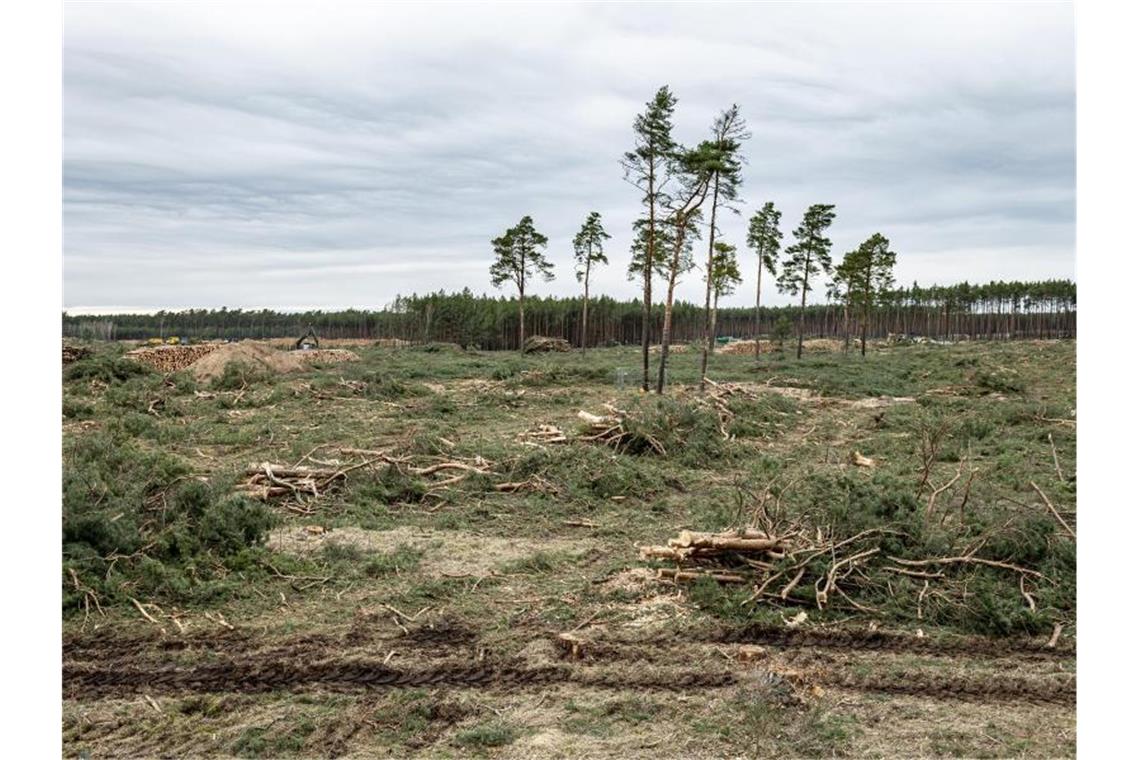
(999, 380)
(486, 735)
(588, 246)
(106, 368)
(238, 375)
(725, 272)
(134, 519)
(764, 236)
(518, 256)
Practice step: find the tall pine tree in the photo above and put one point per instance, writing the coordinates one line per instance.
(587, 252)
(693, 170)
(518, 259)
(729, 133)
(647, 168)
(869, 274)
(806, 258)
(764, 237)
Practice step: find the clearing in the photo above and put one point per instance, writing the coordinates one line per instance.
(435, 553)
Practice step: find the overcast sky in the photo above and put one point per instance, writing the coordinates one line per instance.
(325, 156)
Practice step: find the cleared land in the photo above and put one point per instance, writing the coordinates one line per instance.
(426, 568)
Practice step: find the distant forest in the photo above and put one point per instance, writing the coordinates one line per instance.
(996, 311)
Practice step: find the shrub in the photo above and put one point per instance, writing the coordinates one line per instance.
(134, 519)
(237, 375)
(108, 369)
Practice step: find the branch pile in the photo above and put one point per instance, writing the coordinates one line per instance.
(268, 481)
(611, 430)
(779, 562)
(718, 398)
(541, 344)
(542, 434)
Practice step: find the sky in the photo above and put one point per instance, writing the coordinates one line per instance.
(297, 156)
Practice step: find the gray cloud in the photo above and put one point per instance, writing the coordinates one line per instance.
(251, 155)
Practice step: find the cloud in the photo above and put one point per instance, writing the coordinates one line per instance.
(266, 155)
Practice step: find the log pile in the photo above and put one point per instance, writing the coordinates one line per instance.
(536, 344)
(327, 355)
(728, 557)
(172, 358)
(74, 353)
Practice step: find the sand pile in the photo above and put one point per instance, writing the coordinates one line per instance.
(264, 357)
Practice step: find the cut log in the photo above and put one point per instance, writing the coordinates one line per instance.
(692, 575)
(688, 539)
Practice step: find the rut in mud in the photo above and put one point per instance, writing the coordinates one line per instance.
(234, 661)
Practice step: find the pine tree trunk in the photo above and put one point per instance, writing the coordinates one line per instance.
(647, 284)
(667, 326)
(863, 338)
(803, 307)
(585, 301)
(522, 324)
(710, 326)
(756, 326)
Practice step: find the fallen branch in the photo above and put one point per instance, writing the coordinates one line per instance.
(1053, 509)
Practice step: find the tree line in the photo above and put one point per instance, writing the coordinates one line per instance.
(993, 311)
(684, 191)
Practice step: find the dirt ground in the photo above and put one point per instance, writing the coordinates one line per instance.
(384, 621)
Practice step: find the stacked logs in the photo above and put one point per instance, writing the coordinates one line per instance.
(172, 358)
(724, 557)
(74, 353)
(327, 355)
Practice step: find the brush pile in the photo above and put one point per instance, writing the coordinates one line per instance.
(536, 344)
(718, 398)
(266, 481)
(612, 430)
(172, 358)
(795, 565)
(542, 434)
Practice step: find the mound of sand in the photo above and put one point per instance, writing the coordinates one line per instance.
(250, 353)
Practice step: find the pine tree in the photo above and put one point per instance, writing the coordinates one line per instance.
(868, 272)
(764, 237)
(587, 252)
(723, 276)
(693, 170)
(647, 168)
(729, 133)
(839, 290)
(806, 258)
(518, 258)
